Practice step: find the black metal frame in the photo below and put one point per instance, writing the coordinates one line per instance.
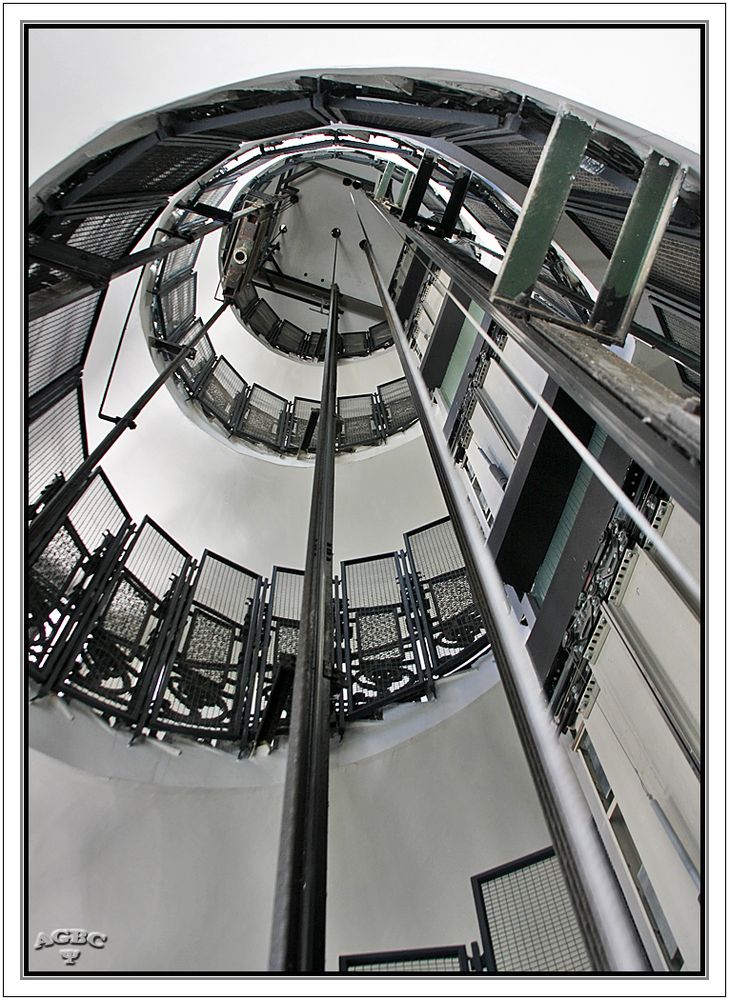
(409, 662)
(414, 955)
(493, 874)
(245, 633)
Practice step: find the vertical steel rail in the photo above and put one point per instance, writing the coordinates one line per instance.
(45, 525)
(609, 935)
(299, 917)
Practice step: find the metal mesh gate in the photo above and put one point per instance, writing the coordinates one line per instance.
(62, 578)
(203, 691)
(381, 655)
(269, 694)
(113, 665)
(454, 630)
(526, 917)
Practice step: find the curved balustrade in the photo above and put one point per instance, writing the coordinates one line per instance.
(248, 410)
(99, 629)
(124, 620)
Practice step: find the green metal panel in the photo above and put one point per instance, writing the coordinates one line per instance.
(543, 207)
(383, 183)
(404, 189)
(635, 250)
(461, 354)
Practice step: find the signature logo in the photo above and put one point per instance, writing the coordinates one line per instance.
(70, 935)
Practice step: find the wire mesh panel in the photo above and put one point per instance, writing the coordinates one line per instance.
(423, 960)
(381, 659)
(180, 261)
(222, 392)
(454, 630)
(216, 193)
(686, 333)
(273, 680)
(676, 267)
(56, 442)
(261, 319)
(177, 304)
(290, 338)
(115, 664)
(517, 157)
(526, 917)
(193, 371)
(264, 417)
(358, 421)
(301, 410)
(202, 694)
(380, 335)
(63, 569)
(109, 232)
(397, 405)
(57, 341)
(165, 167)
(354, 345)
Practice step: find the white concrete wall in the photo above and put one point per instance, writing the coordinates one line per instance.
(181, 878)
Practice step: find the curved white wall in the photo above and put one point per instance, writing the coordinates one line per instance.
(181, 878)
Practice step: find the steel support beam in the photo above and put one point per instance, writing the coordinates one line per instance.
(642, 416)
(299, 918)
(418, 188)
(607, 928)
(543, 208)
(305, 291)
(636, 247)
(100, 270)
(452, 211)
(46, 523)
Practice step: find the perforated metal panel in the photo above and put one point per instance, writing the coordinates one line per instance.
(290, 338)
(194, 369)
(180, 261)
(517, 157)
(677, 265)
(407, 124)
(110, 233)
(57, 341)
(354, 345)
(382, 664)
(359, 421)
(301, 410)
(117, 662)
(165, 168)
(454, 629)
(397, 405)
(177, 304)
(56, 442)
(262, 320)
(278, 656)
(499, 223)
(264, 417)
(222, 392)
(380, 335)
(203, 691)
(64, 567)
(216, 194)
(274, 125)
(527, 919)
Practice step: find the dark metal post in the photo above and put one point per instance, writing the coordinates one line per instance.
(606, 926)
(299, 917)
(46, 523)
